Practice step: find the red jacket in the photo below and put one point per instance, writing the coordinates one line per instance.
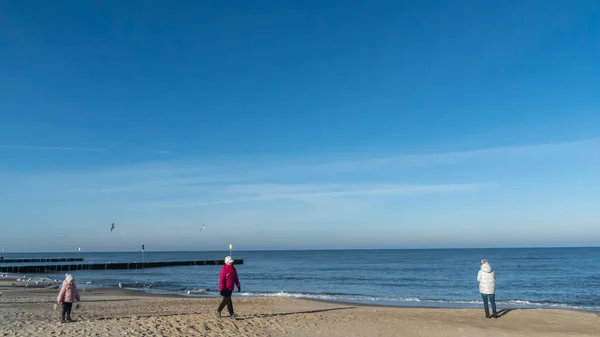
(228, 278)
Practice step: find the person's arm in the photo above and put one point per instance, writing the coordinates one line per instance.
(237, 282)
(77, 297)
(61, 295)
(222, 280)
(479, 276)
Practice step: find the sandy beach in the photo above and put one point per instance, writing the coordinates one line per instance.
(116, 312)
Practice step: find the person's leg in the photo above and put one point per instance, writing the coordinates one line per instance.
(230, 306)
(493, 302)
(226, 295)
(485, 305)
(222, 305)
(69, 307)
(63, 311)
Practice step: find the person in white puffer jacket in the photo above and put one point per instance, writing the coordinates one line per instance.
(487, 287)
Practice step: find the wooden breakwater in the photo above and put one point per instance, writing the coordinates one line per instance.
(57, 268)
(49, 260)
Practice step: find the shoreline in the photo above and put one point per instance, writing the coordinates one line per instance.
(119, 312)
(115, 291)
(446, 307)
(173, 294)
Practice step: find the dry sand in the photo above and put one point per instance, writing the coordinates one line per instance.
(115, 312)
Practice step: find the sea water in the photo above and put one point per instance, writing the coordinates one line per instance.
(566, 278)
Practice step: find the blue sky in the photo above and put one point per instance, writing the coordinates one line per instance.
(299, 124)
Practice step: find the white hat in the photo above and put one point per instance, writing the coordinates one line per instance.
(228, 260)
(69, 278)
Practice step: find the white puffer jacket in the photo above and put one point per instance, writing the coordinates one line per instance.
(487, 280)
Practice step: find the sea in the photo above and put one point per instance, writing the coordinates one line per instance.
(563, 278)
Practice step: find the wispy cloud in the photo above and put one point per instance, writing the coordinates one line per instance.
(72, 148)
(317, 193)
(50, 148)
(346, 190)
(220, 181)
(164, 152)
(167, 182)
(582, 147)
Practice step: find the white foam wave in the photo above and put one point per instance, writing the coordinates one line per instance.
(196, 291)
(326, 297)
(414, 300)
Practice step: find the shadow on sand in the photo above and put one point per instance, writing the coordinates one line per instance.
(225, 317)
(292, 313)
(505, 312)
(51, 302)
(115, 300)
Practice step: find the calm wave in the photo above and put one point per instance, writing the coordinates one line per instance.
(540, 278)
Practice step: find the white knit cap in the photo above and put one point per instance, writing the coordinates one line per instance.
(228, 260)
(69, 278)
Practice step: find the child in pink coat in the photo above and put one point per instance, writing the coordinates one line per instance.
(68, 294)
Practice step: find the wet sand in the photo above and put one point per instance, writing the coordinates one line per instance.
(116, 312)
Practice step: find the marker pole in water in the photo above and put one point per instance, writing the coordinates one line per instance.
(143, 257)
(79, 256)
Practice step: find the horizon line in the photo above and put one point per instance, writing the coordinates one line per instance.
(302, 250)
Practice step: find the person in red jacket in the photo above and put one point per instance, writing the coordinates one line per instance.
(227, 281)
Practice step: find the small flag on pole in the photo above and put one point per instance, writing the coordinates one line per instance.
(230, 246)
(79, 249)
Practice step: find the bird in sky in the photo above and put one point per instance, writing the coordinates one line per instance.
(113, 227)
(201, 228)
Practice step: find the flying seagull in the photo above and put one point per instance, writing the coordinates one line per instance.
(113, 227)
(201, 228)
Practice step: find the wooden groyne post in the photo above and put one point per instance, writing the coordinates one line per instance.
(42, 260)
(56, 268)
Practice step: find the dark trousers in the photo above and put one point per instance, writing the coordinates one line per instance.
(492, 299)
(66, 310)
(226, 302)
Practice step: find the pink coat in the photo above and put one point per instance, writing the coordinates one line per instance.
(68, 293)
(228, 278)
